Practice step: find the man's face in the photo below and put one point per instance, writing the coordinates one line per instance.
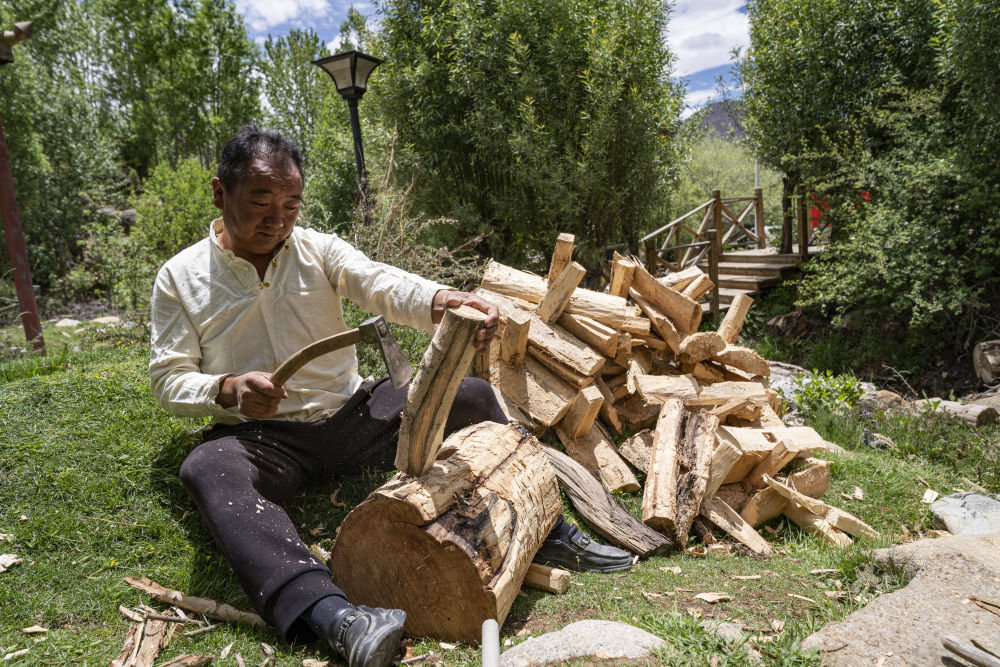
(259, 212)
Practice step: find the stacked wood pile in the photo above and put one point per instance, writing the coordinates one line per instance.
(587, 364)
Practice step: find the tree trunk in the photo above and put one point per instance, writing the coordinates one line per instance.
(451, 547)
(788, 185)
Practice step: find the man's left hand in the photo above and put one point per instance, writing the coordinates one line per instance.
(449, 299)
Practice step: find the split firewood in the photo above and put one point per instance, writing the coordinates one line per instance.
(599, 336)
(731, 324)
(744, 359)
(835, 516)
(548, 579)
(210, 608)
(582, 412)
(659, 321)
(514, 413)
(652, 342)
(605, 308)
(433, 389)
(724, 457)
(131, 646)
(602, 512)
(562, 255)
(621, 275)
(188, 660)
(816, 525)
(776, 459)
(685, 313)
(733, 495)
(557, 297)
(637, 413)
(659, 500)
(975, 655)
(723, 516)
(514, 341)
(637, 450)
(703, 530)
(598, 454)
(608, 411)
(150, 644)
(704, 372)
(678, 280)
(754, 443)
(660, 388)
(539, 392)
(700, 346)
(698, 287)
(694, 456)
(768, 503)
(974, 413)
(624, 350)
(636, 325)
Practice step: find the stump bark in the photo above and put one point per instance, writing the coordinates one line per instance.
(452, 546)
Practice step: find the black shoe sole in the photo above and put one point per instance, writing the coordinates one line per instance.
(575, 567)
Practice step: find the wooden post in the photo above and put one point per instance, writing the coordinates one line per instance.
(717, 211)
(714, 252)
(803, 226)
(652, 257)
(758, 215)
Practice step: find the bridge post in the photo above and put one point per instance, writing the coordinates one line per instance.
(652, 257)
(717, 211)
(758, 215)
(714, 250)
(803, 226)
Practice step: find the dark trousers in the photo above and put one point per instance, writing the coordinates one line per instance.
(241, 475)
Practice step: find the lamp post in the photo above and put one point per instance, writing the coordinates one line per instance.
(11, 218)
(350, 71)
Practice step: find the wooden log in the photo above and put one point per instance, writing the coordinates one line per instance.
(695, 457)
(754, 443)
(636, 413)
(816, 525)
(723, 516)
(582, 412)
(685, 312)
(433, 389)
(703, 530)
(622, 269)
(744, 359)
(598, 454)
(634, 324)
(776, 459)
(698, 287)
(611, 310)
(986, 360)
(969, 652)
(724, 457)
(703, 372)
(562, 255)
(659, 500)
(542, 394)
(835, 516)
(660, 388)
(602, 512)
(974, 413)
(514, 341)
(210, 608)
(557, 297)
(659, 321)
(548, 579)
(608, 411)
(678, 280)
(600, 337)
(637, 450)
(768, 503)
(732, 323)
(652, 342)
(700, 346)
(451, 548)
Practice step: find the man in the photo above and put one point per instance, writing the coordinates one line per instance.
(230, 309)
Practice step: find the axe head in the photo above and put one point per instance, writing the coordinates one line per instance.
(376, 330)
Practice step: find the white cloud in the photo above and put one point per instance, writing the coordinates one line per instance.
(262, 15)
(702, 34)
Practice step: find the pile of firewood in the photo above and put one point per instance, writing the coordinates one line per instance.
(710, 438)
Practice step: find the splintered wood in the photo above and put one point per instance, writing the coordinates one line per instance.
(708, 432)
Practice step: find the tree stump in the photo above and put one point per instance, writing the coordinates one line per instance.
(986, 360)
(452, 546)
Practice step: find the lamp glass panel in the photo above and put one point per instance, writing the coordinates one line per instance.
(340, 70)
(364, 70)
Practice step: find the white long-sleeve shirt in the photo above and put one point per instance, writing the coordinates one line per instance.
(212, 316)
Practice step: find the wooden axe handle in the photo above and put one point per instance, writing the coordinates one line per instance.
(311, 351)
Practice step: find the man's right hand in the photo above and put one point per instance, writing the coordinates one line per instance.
(252, 393)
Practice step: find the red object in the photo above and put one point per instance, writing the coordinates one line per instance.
(18, 255)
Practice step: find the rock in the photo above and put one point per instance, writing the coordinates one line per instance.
(68, 322)
(128, 218)
(889, 400)
(586, 641)
(967, 514)
(731, 633)
(108, 319)
(783, 378)
(790, 325)
(905, 627)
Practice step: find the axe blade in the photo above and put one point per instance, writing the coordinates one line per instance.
(376, 330)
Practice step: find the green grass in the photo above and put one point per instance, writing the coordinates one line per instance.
(89, 489)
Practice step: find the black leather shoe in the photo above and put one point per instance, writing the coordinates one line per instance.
(368, 637)
(579, 553)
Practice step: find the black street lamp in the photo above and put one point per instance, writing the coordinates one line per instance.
(350, 71)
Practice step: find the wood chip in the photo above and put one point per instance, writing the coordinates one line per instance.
(930, 495)
(675, 569)
(858, 494)
(6, 537)
(745, 577)
(8, 561)
(34, 630)
(448, 646)
(777, 625)
(15, 654)
(824, 571)
(267, 649)
(836, 594)
(312, 662)
(187, 660)
(333, 499)
(225, 652)
(712, 598)
(800, 597)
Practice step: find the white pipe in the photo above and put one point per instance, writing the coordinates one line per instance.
(491, 643)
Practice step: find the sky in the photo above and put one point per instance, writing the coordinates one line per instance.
(702, 33)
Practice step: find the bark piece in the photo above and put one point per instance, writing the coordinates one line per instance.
(554, 302)
(816, 525)
(638, 449)
(723, 516)
(514, 341)
(659, 501)
(433, 390)
(700, 346)
(548, 579)
(744, 359)
(562, 255)
(731, 324)
(685, 313)
(602, 512)
(660, 388)
(217, 610)
(451, 547)
(598, 455)
(768, 503)
(970, 652)
(835, 516)
(695, 456)
(582, 412)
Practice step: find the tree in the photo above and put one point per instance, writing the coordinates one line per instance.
(528, 118)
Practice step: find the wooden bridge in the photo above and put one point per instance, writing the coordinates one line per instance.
(732, 252)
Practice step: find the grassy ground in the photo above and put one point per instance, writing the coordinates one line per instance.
(89, 491)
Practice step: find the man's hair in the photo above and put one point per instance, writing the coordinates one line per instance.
(252, 142)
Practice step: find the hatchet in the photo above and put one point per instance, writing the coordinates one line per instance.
(373, 330)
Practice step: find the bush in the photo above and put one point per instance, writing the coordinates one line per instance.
(826, 391)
